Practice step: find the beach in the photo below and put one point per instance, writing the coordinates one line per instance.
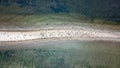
(60, 32)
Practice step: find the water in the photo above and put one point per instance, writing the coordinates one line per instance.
(105, 9)
(62, 54)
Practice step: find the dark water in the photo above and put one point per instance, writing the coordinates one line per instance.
(105, 9)
(65, 54)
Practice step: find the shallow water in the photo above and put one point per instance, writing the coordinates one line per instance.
(62, 54)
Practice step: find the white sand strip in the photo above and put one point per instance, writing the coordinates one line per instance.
(6, 35)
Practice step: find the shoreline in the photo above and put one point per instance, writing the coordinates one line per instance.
(59, 33)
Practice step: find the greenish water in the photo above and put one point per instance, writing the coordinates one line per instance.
(65, 54)
(105, 9)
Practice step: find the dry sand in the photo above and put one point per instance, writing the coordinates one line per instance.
(64, 32)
